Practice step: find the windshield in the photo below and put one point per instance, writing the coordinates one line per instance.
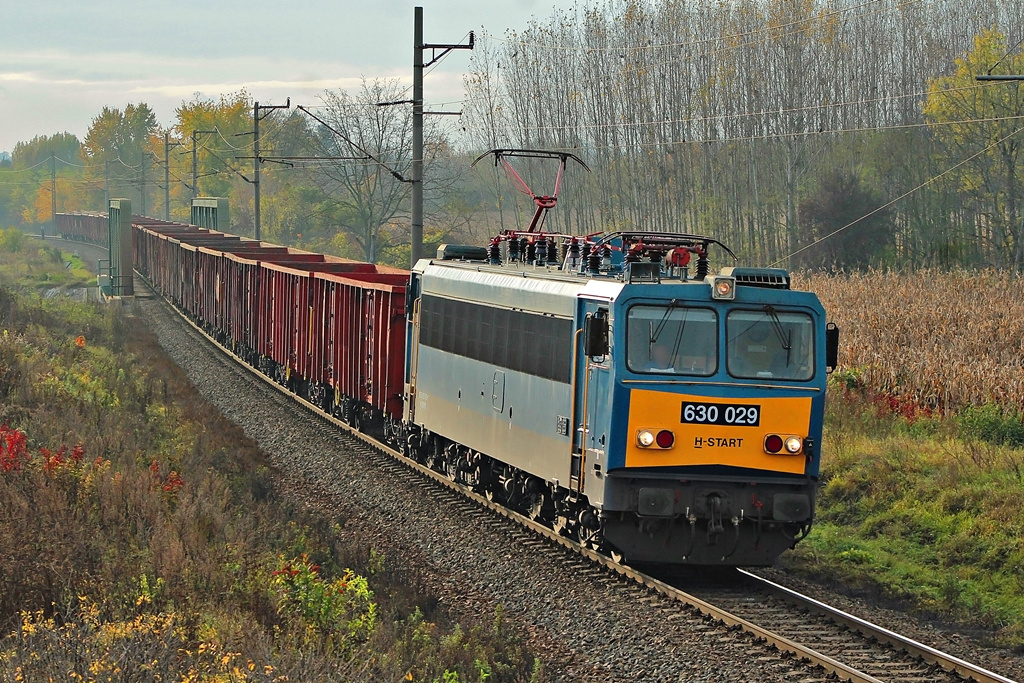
(672, 339)
(770, 344)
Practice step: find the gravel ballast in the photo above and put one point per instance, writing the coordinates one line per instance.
(584, 624)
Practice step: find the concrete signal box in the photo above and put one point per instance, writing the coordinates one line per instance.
(119, 232)
(211, 213)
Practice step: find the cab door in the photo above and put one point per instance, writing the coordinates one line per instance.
(591, 390)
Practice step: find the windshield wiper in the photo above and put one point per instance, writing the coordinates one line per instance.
(780, 331)
(664, 319)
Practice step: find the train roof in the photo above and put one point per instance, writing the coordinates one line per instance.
(551, 290)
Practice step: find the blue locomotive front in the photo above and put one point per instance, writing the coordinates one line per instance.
(659, 416)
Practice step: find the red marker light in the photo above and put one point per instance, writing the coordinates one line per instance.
(773, 443)
(665, 439)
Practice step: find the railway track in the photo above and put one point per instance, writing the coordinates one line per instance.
(796, 629)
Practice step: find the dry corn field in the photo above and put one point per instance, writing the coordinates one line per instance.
(941, 340)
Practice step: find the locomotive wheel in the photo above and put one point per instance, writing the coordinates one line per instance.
(563, 526)
(590, 538)
(535, 507)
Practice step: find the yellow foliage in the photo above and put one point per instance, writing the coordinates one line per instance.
(982, 122)
(103, 644)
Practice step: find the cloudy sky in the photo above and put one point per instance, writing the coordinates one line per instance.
(61, 61)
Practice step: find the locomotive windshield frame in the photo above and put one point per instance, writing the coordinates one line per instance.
(673, 338)
(770, 344)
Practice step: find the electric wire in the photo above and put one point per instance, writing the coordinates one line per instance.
(784, 135)
(901, 197)
(763, 112)
(690, 43)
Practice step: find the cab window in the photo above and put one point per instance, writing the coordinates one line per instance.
(672, 339)
(770, 344)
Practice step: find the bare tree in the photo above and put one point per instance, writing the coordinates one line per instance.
(723, 117)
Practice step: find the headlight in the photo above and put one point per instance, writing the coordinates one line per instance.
(723, 288)
(665, 439)
(645, 439)
(785, 443)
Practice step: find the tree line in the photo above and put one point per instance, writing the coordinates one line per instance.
(331, 175)
(773, 123)
(810, 133)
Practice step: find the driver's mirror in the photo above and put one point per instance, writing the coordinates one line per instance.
(831, 346)
(595, 334)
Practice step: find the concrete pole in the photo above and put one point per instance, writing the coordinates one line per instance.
(256, 170)
(416, 251)
(195, 167)
(53, 194)
(167, 176)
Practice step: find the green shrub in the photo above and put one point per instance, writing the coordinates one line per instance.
(11, 240)
(992, 423)
(927, 512)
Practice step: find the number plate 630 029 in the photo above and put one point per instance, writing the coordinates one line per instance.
(729, 414)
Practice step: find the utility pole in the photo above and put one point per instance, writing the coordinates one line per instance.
(256, 160)
(106, 186)
(142, 182)
(417, 124)
(167, 177)
(195, 166)
(53, 195)
(416, 248)
(256, 170)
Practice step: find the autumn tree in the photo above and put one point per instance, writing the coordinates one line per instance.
(119, 152)
(29, 199)
(64, 146)
(722, 118)
(842, 225)
(982, 124)
(367, 185)
(227, 123)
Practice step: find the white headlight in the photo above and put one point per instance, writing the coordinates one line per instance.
(645, 439)
(794, 444)
(723, 288)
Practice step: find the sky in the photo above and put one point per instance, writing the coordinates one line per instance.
(61, 61)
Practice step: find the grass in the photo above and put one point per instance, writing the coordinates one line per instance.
(163, 544)
(30, 263)
(141, 531)
(923, 510)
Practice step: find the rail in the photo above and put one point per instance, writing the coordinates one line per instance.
(831, 665)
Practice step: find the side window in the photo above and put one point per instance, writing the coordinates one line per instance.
(525, 342)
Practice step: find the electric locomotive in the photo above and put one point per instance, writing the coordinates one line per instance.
(600, 386)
